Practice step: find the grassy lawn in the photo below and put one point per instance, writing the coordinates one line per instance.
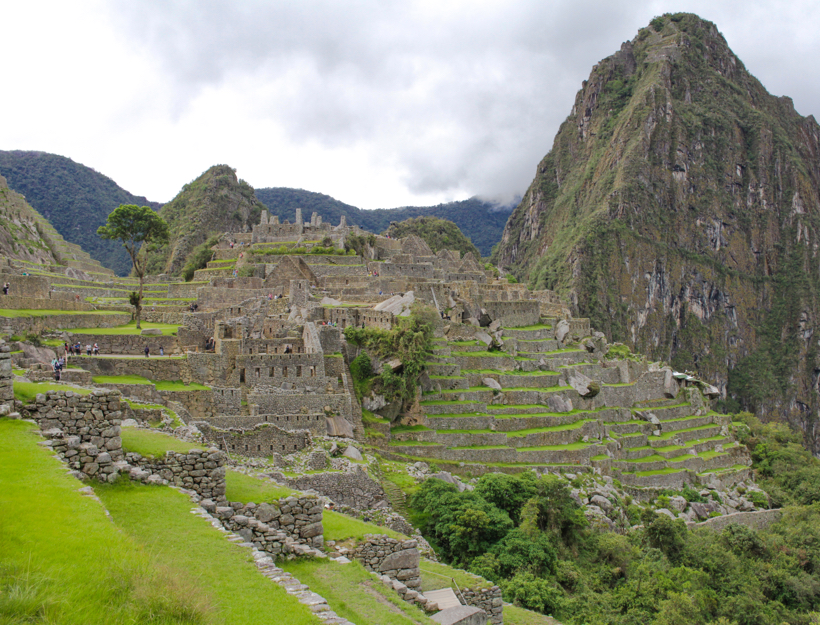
(436, 575)
(245, 488)
(131, 328)
(519, 616)
(178, 385)
(72, 566)
(159, 518)
(120, 379)
(27, 391)
(339, 527)
(355, 594)
(153, 444)
(15, 313)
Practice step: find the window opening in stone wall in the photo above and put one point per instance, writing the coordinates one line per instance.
(246, 448)
(257, 372)
(284, 372)
(298, 371)
(233, 447)
(312, 371)
(270, 372)
(283, 448)
(259, 448)
(271, 447)
(241, 376)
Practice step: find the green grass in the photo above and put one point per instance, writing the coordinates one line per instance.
(485, 431)
(480, 447)
(600, 457)
(537, 326)
(673, 433)
(131, 329)
(436, 575)
(444, 402)
(245, 488)
(153, 444)
(27, 391)
(456, 415)
(178, 385)
(120, 379)
(553, 428)
(569, 447)
(657, 472)
(72, 565)
(529, 372)
(340, 527)
(16, 313)
(514, 615)
(409, 428)
(414, 444)
(484, 354)
(355, 594)
(159, 518)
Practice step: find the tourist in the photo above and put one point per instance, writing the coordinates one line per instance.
(6, 288)
(96, 349)
(147, 351)
(65, 348)
(161, 350)
(88, 349)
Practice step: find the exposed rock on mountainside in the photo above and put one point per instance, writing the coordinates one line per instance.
(678, 209)
(480, 221)
(74, 198)
(215, 202)
(439, 234)
(20, 236)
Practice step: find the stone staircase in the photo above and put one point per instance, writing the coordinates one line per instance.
(515, 409)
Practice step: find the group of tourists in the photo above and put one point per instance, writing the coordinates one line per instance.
(193, 306)
(147, 351)
(77, 349)
(57, 365)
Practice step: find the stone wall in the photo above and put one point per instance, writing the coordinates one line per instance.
(43, 303)
(259, 441)
(398, 559)
(153, 368)
(200, 404)
(21, 325)
(355, 488)
(487, 599)
(6, 377)
(127, 344)
(202, 471)
(511, 314)
(760, 519)
(276, 527)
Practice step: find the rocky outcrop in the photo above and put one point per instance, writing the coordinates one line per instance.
(678, 210)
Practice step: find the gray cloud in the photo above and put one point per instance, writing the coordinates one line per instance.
(461, 98)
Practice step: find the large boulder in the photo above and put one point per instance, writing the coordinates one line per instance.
(586, 387)
(352, 453)
(151, 332)
(339, 426)
(561, 330)
(493, 384)
(38, 354)
(399, 305)
(557, 403)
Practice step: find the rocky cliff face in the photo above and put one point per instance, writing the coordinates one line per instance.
(20, 236)
(215, 202)
(679, 209)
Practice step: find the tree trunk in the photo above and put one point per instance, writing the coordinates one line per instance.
(139, 302)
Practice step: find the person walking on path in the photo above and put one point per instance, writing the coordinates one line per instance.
(88, 349)
(6, 288)
(96, 349)
(161, 350)
(147, 351)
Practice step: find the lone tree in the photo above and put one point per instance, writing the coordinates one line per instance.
(137, 227)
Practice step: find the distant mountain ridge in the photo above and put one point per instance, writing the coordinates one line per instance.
(75, 198)
(481, 221)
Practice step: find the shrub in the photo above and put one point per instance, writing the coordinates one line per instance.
(362, 367)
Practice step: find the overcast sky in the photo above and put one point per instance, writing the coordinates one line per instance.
(379, 104)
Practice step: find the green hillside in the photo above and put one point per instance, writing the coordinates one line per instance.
(74, 198)
(439, 234)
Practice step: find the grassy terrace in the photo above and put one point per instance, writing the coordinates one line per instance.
(130, 329)
(155, 563)
(553, 428)
(153, 444)
(16, 313)
(569, 447)
(537, 326)
(27, 391)
(668, 435)
(354, 594)
(161, 385)
(245, 488)
(482, 354)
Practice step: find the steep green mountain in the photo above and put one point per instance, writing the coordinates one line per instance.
(439, 234)
(214, 203)
(482, 222)
(679, 209)
(74, 198)
(20, 235)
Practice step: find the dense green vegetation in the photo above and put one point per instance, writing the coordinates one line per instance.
(74, 198)
(410, 341)
(439, 234)
(199, 257)
(531, 537)
(482, 222)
